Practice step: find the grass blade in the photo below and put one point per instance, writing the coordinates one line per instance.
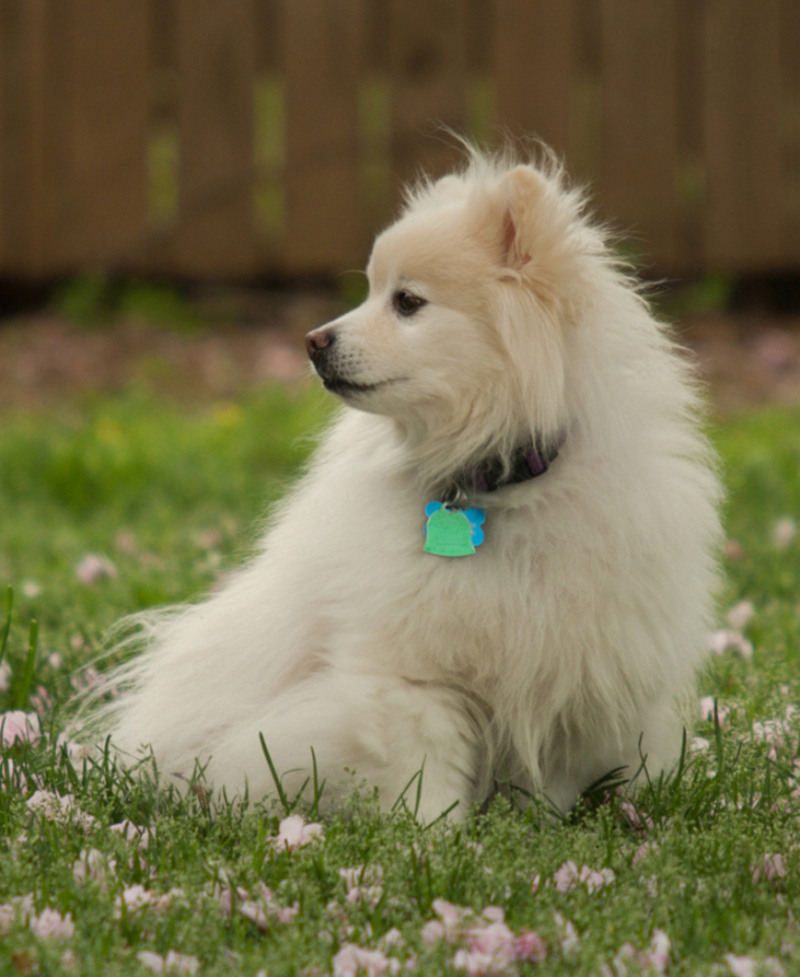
(278, 785)
(401, 798)
(318, 787)
(418, 798)
(7, 625)
(24, 687)
(442, 816)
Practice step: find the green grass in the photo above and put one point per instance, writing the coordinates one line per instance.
(172, 498)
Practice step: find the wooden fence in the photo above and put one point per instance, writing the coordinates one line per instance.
(243, 138)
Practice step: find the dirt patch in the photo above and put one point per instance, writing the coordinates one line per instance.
(746, 360)
(44, 358)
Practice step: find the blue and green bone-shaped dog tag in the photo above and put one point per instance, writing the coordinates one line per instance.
(452, 531)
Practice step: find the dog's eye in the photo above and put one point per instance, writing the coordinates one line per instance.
(406, 303)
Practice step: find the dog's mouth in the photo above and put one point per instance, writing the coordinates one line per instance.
(348, 388)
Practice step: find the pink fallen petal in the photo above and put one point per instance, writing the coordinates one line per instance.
(356, 961)
(93, 866)
(740, 615)
(363, 884)
(644, 850)
(729, 640)
(132, 832)
(51, 925)
(432, 932)
(19, 725)
(476, 964)
(568, 938)
(529, 946)
(164, 901)
(153, 961)
(596, 880)
(180, 963)
(93, 568)
(8, 913)
(57, 808)
(393, 938)
(566, 877)
(14, 777)
(254, 912)
(132, 899)
(31, 588)
(657, 955)
(783, 532)
(227, 897)
(707, 710)
(293, 833)
(770, 867)
(451, 916)
(495, 914)
(496, 938)
(741, 966)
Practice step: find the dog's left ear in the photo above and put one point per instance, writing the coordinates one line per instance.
(526, 237)
(521, 192)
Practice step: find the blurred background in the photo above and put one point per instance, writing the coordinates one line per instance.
(214, 165)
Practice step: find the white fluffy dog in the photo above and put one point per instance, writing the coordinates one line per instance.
(499, 561)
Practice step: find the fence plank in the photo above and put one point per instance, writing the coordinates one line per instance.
(23, 135)
(534, 65)
(4, 89)
(742, 134)
(428, 67)
(216, 68)
(639, 140)
(790, 70)
(110, 45)
(322, 60)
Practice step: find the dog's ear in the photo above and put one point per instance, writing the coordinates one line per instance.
(526, 231)
(521, 192)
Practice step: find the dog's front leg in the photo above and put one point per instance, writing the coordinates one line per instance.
(375, 728)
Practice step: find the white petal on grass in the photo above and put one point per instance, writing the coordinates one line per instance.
(51, 925)
(729, 640)
(94, 567)
(783, 533)
(740, 615)
(19, 725)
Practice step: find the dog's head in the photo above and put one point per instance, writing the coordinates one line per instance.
(462, 334)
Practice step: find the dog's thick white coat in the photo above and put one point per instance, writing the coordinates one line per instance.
(546, 656)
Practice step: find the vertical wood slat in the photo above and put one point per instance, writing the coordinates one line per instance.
(3, 154)
(216, 70)
(639, 140)
(790, 70)
(322, 61)
(742, 134)
(534, 65)
(23, 135)
(427, 63)
(110, 48)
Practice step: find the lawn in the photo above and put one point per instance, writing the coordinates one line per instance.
(111, 505)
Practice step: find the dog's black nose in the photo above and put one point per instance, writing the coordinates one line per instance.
(319, 340)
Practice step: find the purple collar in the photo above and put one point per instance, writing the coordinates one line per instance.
(527, 462)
